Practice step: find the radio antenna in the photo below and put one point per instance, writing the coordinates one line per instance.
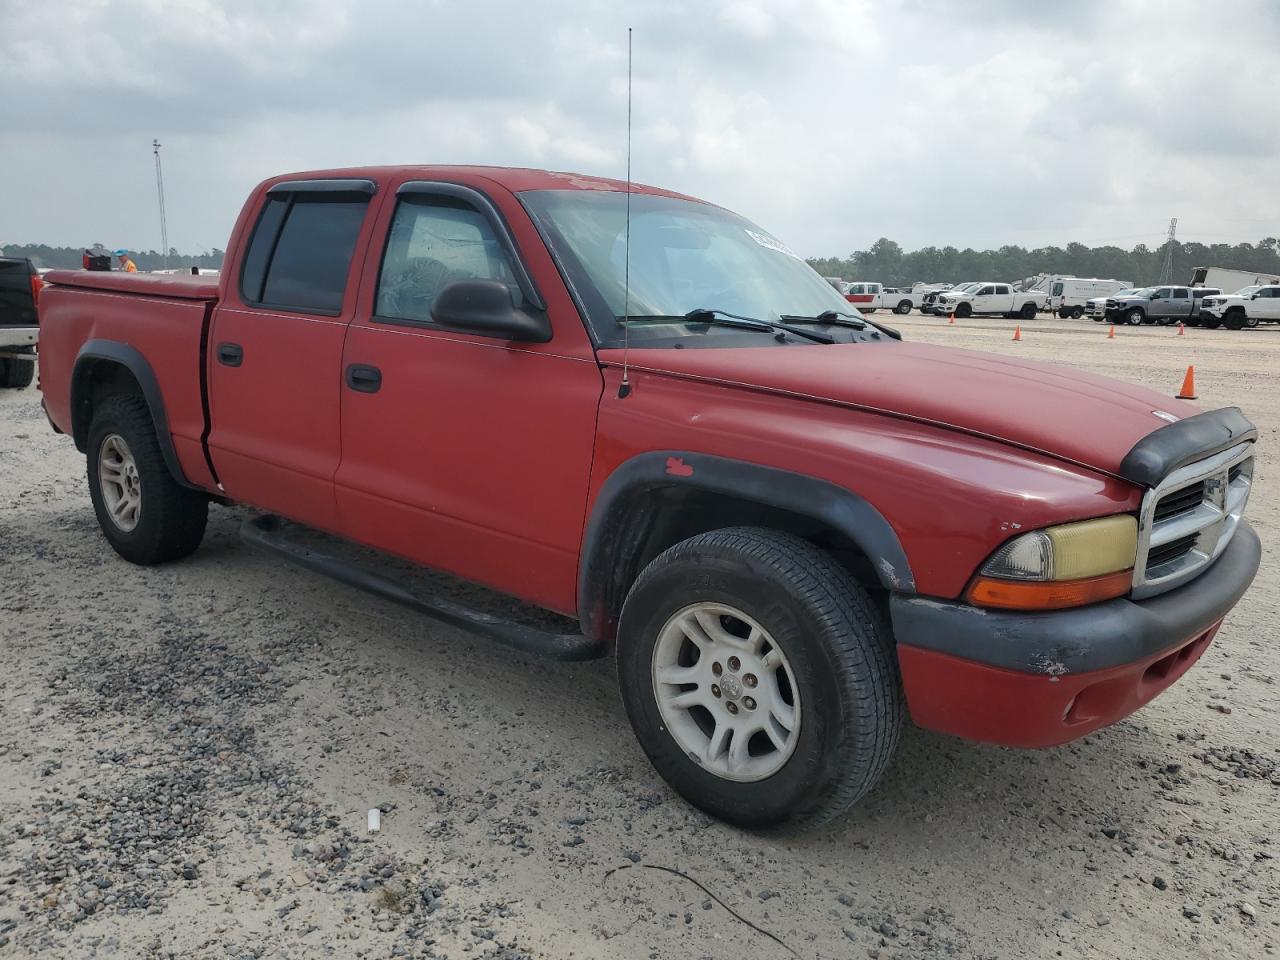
(624, 388)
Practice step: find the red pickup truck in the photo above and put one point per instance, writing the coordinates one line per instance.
(644, 411)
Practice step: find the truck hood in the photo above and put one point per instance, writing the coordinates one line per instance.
(1066, 413)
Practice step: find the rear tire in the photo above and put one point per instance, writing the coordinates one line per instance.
(801, 667)
(1077, 313)
(145, 514)
(903, 308)
(1028, 311)
(17, 374)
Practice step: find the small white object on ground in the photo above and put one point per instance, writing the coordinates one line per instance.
(375, 820)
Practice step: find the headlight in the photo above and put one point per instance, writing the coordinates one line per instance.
(1064, 566)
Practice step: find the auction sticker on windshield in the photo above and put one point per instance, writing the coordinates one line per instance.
(767, 241)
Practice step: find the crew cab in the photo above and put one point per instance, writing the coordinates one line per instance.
(1244, 308)
(870, 297)
(987, 298)
(20, 284)
(1161, 305)
(645, 412)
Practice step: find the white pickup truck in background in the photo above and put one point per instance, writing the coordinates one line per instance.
(870, 297)
(992, 299)
(1244, 308)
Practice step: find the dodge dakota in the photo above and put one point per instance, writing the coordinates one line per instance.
(632, 407)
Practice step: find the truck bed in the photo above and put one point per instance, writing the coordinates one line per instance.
(163, 318)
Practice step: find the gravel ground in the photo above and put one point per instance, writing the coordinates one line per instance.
(188, 755)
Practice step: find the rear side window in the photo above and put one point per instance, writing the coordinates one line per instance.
(1180, 293)
(301, 251)
(433, 241)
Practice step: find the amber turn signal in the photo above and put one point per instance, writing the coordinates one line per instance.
(1047, 594)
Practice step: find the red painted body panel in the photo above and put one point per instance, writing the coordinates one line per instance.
(979, 702)
(171, 286)
(951, 498)
(165, 331)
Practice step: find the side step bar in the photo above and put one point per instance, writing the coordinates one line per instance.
(262, 532)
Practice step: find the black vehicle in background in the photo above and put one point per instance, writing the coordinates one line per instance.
(20, 285)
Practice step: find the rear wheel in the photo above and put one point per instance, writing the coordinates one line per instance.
(17, 374)
(1028, 311)
(1134, 317)
(146, 515)
(1077, 313)
(759, 677)
(904, 307)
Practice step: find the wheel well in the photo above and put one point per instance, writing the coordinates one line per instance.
(94, 380)
(652, 520)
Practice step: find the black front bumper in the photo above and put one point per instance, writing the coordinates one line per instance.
(1086, 638)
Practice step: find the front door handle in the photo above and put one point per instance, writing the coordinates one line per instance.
(230, 354)
(364, 378)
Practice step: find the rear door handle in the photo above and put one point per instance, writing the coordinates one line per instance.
(230, 354)
(364, 378)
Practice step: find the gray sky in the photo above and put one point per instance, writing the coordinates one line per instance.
(829, 123)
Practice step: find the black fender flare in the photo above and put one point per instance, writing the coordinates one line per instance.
(605, 544)
(121, 354)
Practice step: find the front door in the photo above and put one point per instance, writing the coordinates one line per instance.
(984, 298)
(463, 452)
(275, 349)
(1266, 306)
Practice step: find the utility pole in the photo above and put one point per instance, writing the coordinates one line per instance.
(1166, 269)
(164, 227)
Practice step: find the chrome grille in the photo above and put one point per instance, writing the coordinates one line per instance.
(1189, 518)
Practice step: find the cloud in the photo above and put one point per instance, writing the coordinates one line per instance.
(831, 123)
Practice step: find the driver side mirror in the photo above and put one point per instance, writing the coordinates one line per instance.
(485, 308)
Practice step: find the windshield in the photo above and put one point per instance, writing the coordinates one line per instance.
(1144, 292)
(1246, 291)
(685, 255)
(964, 288)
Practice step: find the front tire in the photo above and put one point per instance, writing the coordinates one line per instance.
(1211, 322)
(1134, 317)
(964, 310)
(760, 679)
(1234, 320)
(146, 515)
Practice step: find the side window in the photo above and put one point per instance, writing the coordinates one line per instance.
(301, 250)
(1180, 293)
(985, 292)
(1162, 294)
(434, 241)
(1002, 289)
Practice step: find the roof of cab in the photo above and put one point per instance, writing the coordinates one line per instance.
(515, 179)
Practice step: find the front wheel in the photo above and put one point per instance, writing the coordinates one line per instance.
(1210, 322)
(1134, 317)
(1234, 320)
(759, 677)
(963, 310)
(145, 514)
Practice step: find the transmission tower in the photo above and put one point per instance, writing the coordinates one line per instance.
(1166, 269)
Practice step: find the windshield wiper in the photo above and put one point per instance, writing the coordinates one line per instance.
(830, 316)
(724, 318)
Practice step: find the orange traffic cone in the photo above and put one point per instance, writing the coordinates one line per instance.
(1188, 391)
(951, 318)
(1017, 333)
(1111, 334)
(1182, 329)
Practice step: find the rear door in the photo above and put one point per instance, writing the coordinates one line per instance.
(1179, 304)
(275, 348)
(467, 453)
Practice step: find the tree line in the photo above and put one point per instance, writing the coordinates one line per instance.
(68, 258)
(887, 263)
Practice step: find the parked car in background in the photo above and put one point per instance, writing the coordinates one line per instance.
(1068, 296)
(1225, 278)
(837, 284)
(929, 303)
(20, 285)
(991, 299)
(1163, 305)
(789, 532)
(1095, 308)
(1244, 308)
(870, 297)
